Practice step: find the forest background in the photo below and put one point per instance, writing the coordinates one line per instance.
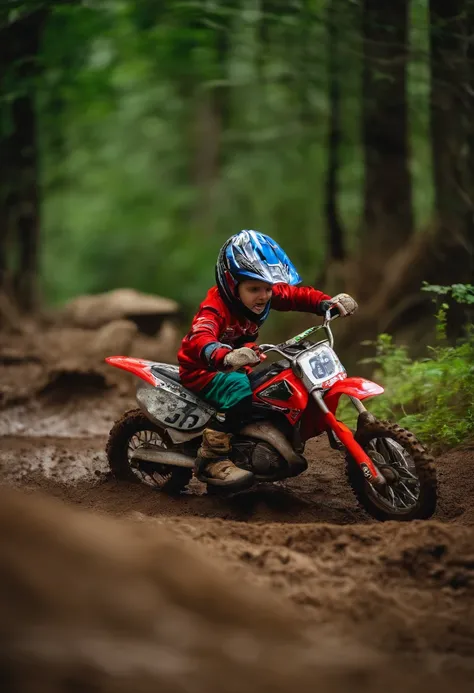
(137, 135)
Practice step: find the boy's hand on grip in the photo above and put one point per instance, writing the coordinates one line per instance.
(345, 304)
(238, 358)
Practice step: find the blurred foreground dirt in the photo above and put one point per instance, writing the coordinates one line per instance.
(109, 586)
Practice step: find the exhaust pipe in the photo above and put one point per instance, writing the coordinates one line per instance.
(151, 453)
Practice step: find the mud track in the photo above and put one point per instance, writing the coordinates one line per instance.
(407, 590)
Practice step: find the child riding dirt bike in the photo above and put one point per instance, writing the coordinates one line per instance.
(186, 416)
(253, 276)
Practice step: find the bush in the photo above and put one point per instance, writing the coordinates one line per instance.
(434, 396)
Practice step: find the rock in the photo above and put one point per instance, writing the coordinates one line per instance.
(145, 310)
(116, 338)
(163, 347)
(169, 340)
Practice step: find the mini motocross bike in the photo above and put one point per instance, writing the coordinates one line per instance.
(295, 399)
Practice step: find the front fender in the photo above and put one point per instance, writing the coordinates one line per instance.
(352, 387)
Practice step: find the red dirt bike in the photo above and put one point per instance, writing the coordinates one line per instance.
(295, 399)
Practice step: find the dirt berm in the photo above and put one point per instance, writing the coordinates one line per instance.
(92, 604)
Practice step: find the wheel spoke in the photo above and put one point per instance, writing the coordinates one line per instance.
(397, 495)
(400, 502)
(396, 453)
(392, 495)
(407, 491)
(161, 474)
(407, 475)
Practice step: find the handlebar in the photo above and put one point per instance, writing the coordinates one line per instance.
(328, 318)
(272, 347)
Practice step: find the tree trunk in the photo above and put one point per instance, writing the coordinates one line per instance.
(452, 114)
(26, 215)
(335, 233)
(388, 217)
(444, 254)
(19, 205)
(212, 120)
(207, 142)
(268, 11)
(304, 66)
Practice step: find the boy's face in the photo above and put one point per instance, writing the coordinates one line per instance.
(255, 294)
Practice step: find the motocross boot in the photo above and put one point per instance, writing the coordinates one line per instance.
(213, 465)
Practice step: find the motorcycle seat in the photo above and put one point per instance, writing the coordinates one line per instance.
(168, 370)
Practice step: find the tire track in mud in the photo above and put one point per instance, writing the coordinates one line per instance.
(76, 469)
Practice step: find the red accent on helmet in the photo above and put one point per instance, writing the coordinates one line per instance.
(231, 283)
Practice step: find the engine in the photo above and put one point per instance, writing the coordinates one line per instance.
(260, 457)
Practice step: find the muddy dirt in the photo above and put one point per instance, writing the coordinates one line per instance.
(284, 586)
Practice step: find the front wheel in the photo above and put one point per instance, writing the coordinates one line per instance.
(411, 489)
(130, 432)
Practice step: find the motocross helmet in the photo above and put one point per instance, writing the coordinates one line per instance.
(252, 255)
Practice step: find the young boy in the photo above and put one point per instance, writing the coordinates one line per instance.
(253, 275)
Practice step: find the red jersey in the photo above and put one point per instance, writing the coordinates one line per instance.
(215, 324)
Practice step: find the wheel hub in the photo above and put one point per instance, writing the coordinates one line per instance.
(390, 475)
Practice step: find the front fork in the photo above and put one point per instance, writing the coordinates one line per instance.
(368, 469)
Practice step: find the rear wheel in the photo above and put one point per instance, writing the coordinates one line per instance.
(411, 489)
(129, 433)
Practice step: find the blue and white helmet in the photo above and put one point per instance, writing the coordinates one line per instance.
(252, 255)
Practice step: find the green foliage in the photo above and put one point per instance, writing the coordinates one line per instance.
(461, 293)
(123, 201)
(133, 97)
(433, 397)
